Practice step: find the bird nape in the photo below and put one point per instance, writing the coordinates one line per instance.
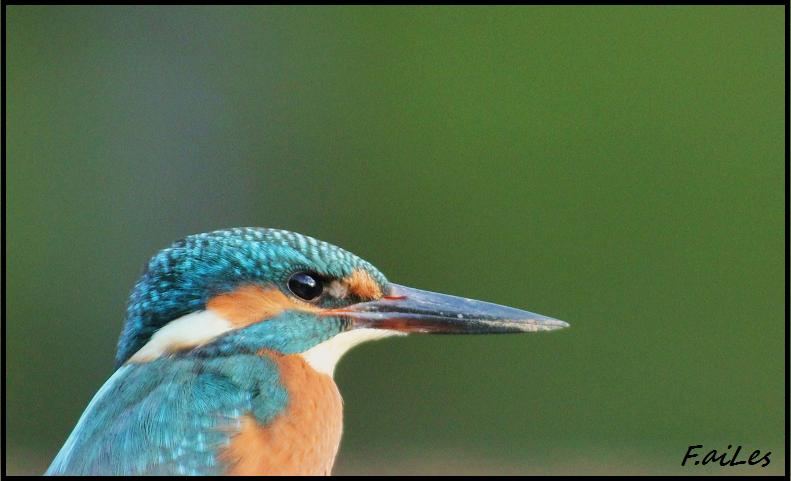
(226, 357)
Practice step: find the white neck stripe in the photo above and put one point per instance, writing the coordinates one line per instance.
(187, 331)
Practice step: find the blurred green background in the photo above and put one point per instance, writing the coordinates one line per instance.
(618, 168)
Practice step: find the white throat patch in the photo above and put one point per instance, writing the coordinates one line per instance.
(323, 357)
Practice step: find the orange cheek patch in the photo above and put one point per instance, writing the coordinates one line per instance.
(250, 304)
(361, 284)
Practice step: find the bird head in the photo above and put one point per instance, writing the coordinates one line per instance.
(253, 289)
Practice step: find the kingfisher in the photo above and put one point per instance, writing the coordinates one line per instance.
(225, 361)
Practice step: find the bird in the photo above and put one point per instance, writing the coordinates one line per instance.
(225, 361)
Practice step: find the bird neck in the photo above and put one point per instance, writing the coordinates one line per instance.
(302, 439)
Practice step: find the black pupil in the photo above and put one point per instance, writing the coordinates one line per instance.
(306, 286)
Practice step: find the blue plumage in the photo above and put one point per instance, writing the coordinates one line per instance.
(288, 333)
(170, 416)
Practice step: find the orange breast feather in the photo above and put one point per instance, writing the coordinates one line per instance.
(303, 439)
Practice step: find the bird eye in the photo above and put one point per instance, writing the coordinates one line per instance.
(305, 286)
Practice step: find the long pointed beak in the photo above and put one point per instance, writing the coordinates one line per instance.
(412, 310)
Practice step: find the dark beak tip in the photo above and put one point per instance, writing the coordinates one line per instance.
(540, 324)
(556, 324)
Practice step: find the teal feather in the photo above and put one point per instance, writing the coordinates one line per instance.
(170, 416)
